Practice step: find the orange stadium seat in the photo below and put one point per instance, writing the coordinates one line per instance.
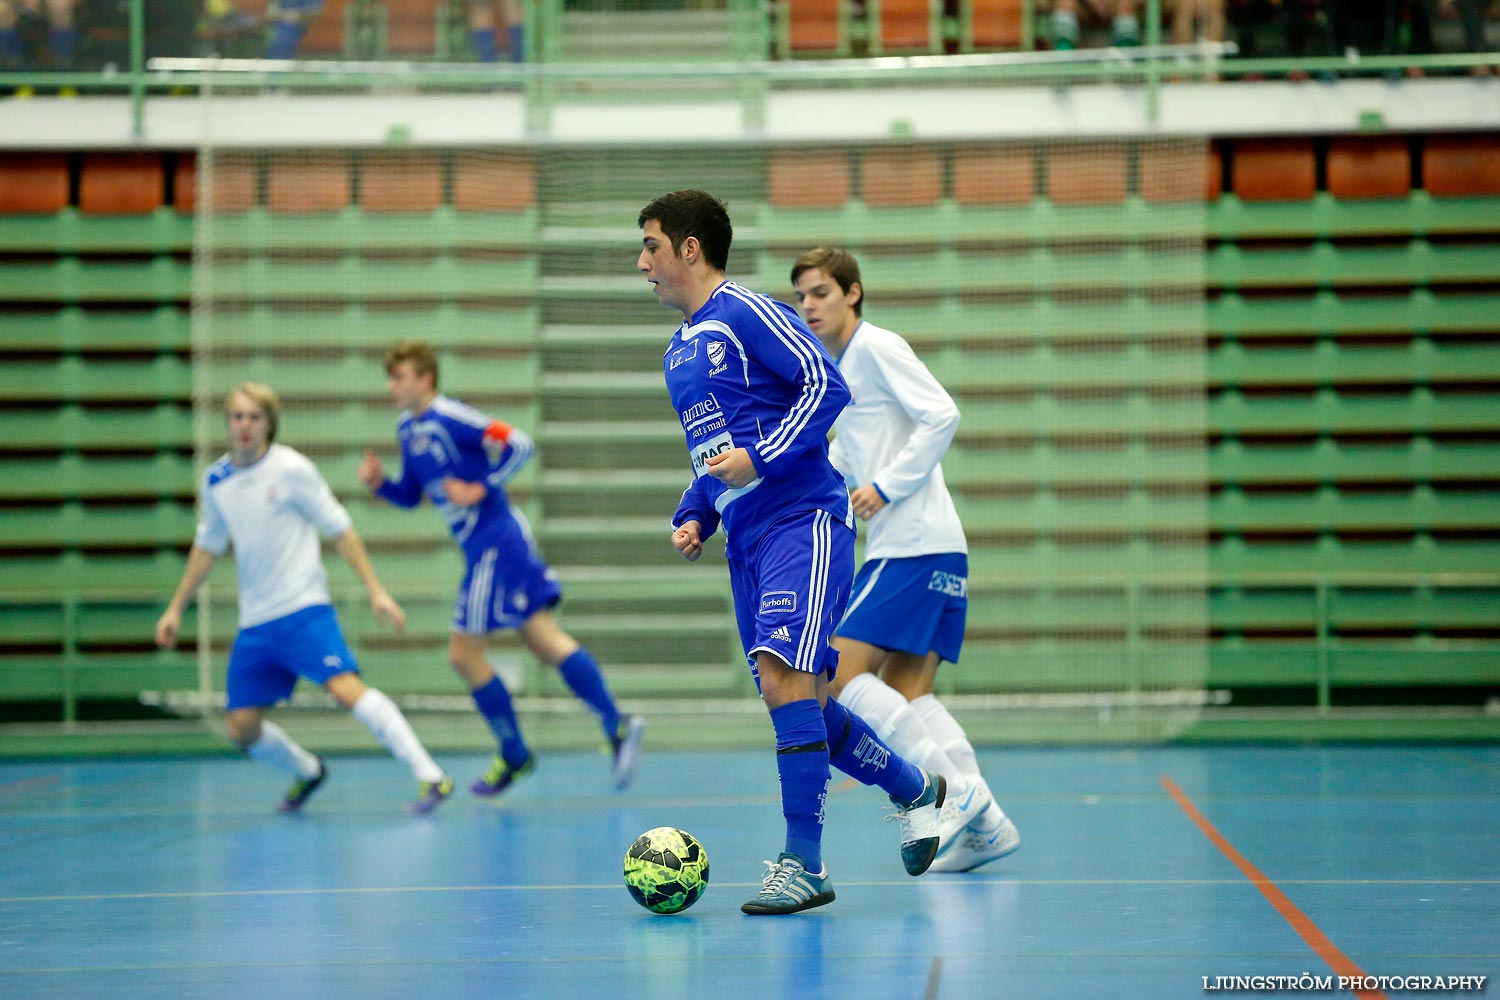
(401, 182)
(234, 183)
(303, 183)
(1162, 178)
(1087, 174)
(995, 24)
(994, 175)
(411, 27)
(899, 177)
(908, 25)
(814, 25)
(1364, 167)
(802, 179)
(33, 183)
(1458, 166)
(121, 184)
(1275, 169)
(325, 32)
(489, 183)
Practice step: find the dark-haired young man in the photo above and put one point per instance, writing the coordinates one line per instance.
(756, 394)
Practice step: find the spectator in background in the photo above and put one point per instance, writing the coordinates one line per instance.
(22, 19)
(482, 30)
(289, 21)
(1125, 25)
(1205, 15)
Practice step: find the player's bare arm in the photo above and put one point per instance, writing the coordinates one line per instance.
(198, 566)
(688, 541)
(733, 468)
(352, 548)
(371, 473)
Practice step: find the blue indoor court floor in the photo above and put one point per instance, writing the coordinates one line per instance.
(1143, 871)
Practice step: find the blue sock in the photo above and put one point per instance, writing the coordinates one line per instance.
(494, 704)
(515, 40)
(285, 39)
(802, 762)
(582, 675)
(11, 48)
(483, 42)
(854, 749)
(64, 44)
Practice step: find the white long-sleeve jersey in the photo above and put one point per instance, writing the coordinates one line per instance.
(273, 510)
(893, 435)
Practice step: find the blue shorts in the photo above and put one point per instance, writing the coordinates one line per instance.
(502, 591)
(267, 659)
(914, 605)
(791, 591)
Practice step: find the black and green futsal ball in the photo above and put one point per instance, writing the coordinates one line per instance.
(666, 870)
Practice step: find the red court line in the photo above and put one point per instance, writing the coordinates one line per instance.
(1301, 922)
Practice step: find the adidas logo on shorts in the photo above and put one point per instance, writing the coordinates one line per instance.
(783, 634)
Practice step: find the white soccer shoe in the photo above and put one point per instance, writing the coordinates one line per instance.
(976, 847)
(964, 805)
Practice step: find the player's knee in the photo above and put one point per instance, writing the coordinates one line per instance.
(243, 731)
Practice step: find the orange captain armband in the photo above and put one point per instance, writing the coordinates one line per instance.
(498, 432)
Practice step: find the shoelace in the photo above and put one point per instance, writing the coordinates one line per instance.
(778, 875)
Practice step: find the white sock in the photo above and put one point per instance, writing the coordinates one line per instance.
(282, 752)
(894, 721)
(953, 741)
(390, 727)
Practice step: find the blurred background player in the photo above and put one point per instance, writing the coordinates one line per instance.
(272, 503)
(460, 458)
(910, 599)
(757, 395)
(484, 37)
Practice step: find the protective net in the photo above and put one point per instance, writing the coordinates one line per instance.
(1054, 286)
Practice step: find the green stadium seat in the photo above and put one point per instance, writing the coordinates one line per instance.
(73, 328)
(1352, 312)
(353, 278)
(99, 428)
(1328, 264)
(72, 524)
(1416, 215)
(71, 378)
(71, 279)
(1326, 460)
(70, 475)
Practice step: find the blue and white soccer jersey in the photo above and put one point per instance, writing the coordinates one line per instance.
(273, 510)
(267, 659)
(745, 372)
(912, 591)
(914, 605)
(505, 581)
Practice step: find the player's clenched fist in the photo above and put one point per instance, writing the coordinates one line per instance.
(370, 471)
(687, 541)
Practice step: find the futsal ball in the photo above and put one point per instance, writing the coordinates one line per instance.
(666, 870)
